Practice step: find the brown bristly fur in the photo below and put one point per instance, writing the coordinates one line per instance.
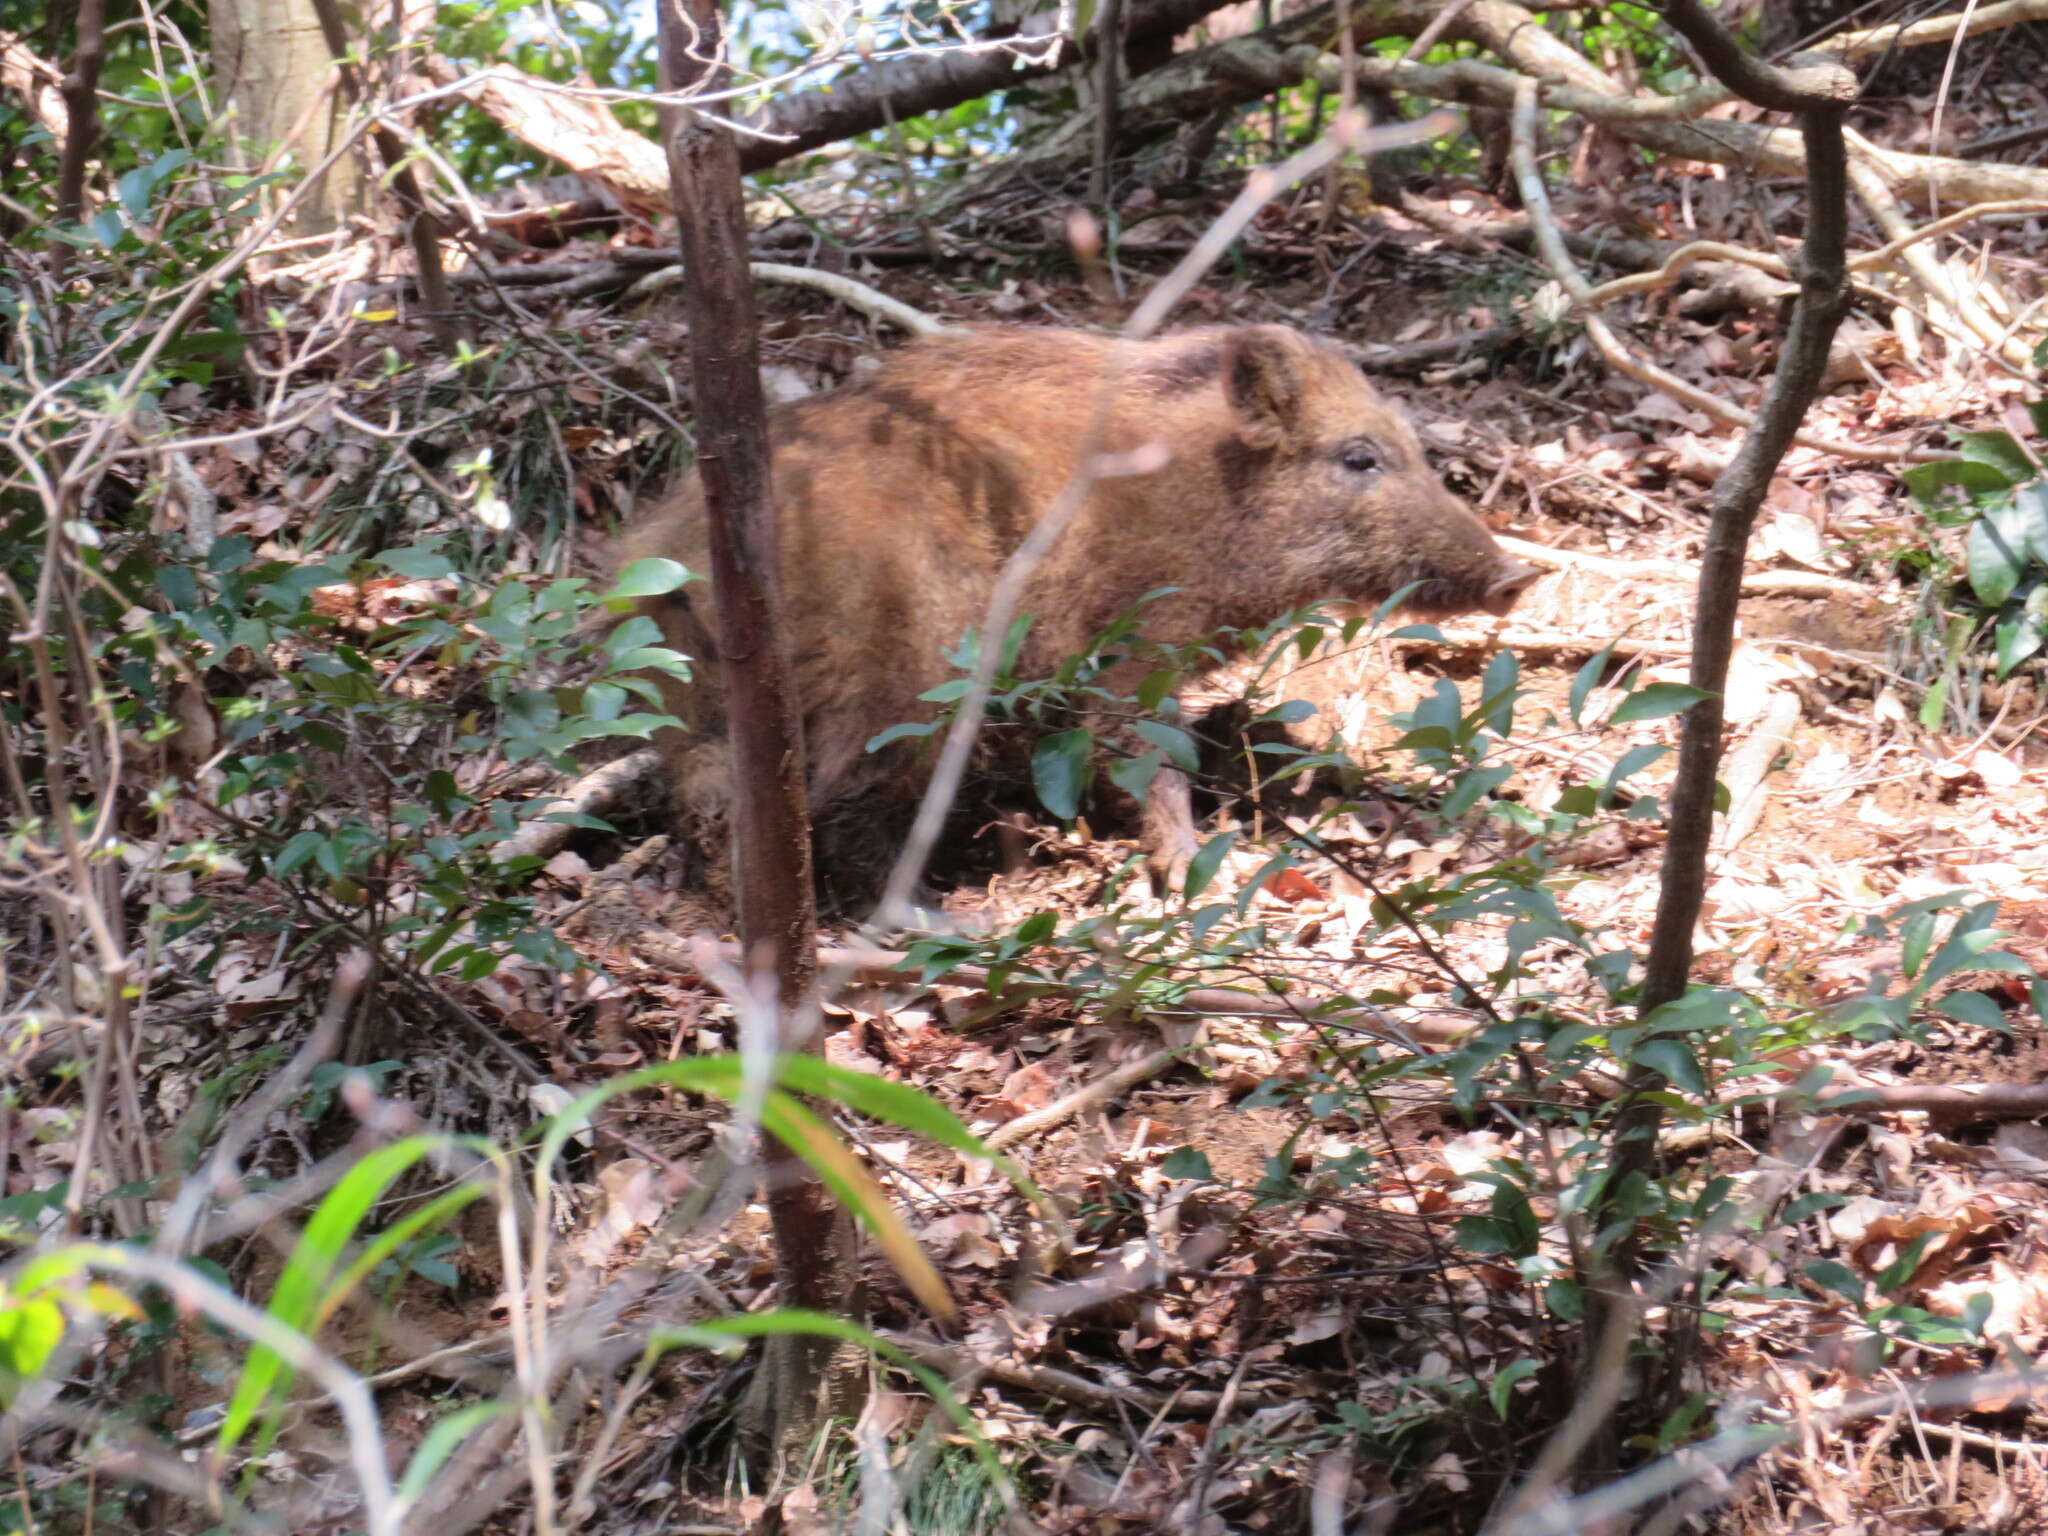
(1286, 481)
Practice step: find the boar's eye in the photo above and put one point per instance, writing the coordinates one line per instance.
(1359, 458)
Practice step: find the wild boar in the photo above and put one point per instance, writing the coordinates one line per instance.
(1285, 480)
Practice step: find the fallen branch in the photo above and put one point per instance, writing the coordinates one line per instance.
(1064, 1386)
(908, 87)
(542, 837)
(849, 291)
(1749, 766)
(1536, 200)
(579, 131)
(883, 968)
(37, 85)
(1794, 583)
(1947, 1102)
(1101, 1091)
(1934, 30)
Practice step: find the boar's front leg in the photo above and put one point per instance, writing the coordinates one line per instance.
(700, 800)
(1167, 830)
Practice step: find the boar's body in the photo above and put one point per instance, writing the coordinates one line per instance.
(1285, 481)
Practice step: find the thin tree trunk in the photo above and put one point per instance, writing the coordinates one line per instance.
(272, 66)
(1820, 98)
(81, 110)
(801, 1380)
(422, 228)
(1109, 41)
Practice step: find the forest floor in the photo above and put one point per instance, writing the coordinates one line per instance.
(1229, 1338)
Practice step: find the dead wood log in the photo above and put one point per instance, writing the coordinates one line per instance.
(35, 84)
(1246, 69)
(578, 131)
(907, 87)
(581, 132)
(592, 795)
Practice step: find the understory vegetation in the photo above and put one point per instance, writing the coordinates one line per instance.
(399, 1123)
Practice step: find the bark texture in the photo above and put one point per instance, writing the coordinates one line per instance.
(272, 67)
(801, 1379)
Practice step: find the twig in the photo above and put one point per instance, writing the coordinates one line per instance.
(1883, 254)
(1676, 263)
(883, 967)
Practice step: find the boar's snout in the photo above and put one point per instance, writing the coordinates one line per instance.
(1507, 588)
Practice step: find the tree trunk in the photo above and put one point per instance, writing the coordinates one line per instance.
(802, 1381)
(272, 67)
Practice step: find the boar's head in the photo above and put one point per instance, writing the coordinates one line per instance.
(1345, 503)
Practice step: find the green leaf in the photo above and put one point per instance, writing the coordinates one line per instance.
(1673, 1060)
(1059, 771)
(1997, 554)
(1633, 762)
(1974, 1008)
(134, 189)
(1207, 860)
(30, 1331)
(1292, 712)
(650, 578)
(1188, 1163)
(2030, 517)
(1934, 706)
(180, 586)
(2021, 633)
(1134, 775)
(1501, 1390)
(902, 732)
(1036, 928)
(1998, 451)
(1656, 701)
(419, 564)
(442, 1441)
(1926, 483)
(1469, 786)
(1837, 1277)
(1156, 686)
(1806, 1205)
(1483, 1235)
(1566, 1300)
(296, 852)
(1916, 937)
(1177, 744)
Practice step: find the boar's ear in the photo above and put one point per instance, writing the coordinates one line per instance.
(1262, 378)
